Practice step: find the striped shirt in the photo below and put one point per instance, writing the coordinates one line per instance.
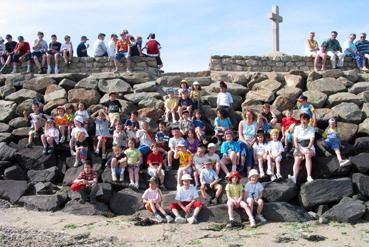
(362, 47)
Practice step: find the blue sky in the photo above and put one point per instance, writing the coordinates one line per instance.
(190, 31)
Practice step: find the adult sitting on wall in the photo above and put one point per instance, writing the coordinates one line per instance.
(303, 141)
(100, 49)
(333, 48)
(312, 50)
(86, 183)
(363, 46)
(247, 129)
(82, 47)
(53, 52)
(123, 49)
(350, 50)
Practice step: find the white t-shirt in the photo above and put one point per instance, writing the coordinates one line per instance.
(199, 161)
(75, 131)
(173, 142)
(274, 147)
(304, 134)
(83, 114)
(215, 157)
(208, 176)
(224, 99)
(143, 137)
(43, 47)
(99, 48)
(259, 148)
(253, 190)
(66, 46)
(187, 195)
(53, 132)
(111, 48)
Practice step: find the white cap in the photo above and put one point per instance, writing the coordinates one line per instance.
(253, 172)
(211, 145)
(195, 83)
(186, 177)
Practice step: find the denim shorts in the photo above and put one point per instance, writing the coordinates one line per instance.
(121, 55)
(332, 143)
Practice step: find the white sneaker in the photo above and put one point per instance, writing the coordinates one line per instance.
(14, 71)
(97, 151)
(262, 174)
(180, 220)
(192, 220)
(292, 178)
(121, 177)
(72, 153)
(279, 176)
(344, 163)
(310, 179)
(252, 222)
(273, 177)
(62, 139)
(56, 70)
(76, 163)
(261, 218)
(169, 218)
(114, 177)
(159, 218)
(269, 172)
(28, 70)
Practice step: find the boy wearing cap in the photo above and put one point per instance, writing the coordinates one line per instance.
(253, 194)
(210, 183)
(53, 53)
(185, 160)
(307, 108)
(230, 151)
(114, 108)
(100, 49)
(39, 51)
(22, 53)
(185, 123)
(186, 200)
(82, 47)
(331, 140)
(123, 49)
(152, 198)
(171, 104)
(36, 118)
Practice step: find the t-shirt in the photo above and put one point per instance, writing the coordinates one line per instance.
(226, 147)
(214, 158)
(193, 146)
(161, 137)
(198, 124)
(171, 103)
(120, 138)
(268, 116)
(135, 124)
(135, 49)
(274, 147)
(102, 127)
(144, 137)
(186, 195)
(2, 49)
(83, 114)
(304, 134)
(253, 190)
(122, 45)
(199, 161)
(133, 156)
(208, 176)
(185, 102)
(75, 131)
(40, 47)
(234, 190)
(331, 133)
(113, 106)
(185, 125)
(152, 47)
(332, 45)
(225, 123)
(196, 95)
(224, 99)
(55, 46)
(100, 48)
(184, 158)
(349, 45)
(111, 48)
(248, 131)
(53, 132)
(362, 47)
(83, 143)
(287, 122)
(66, 46)
(118, 157)
(23, 49)
(154, 159)
(82, 50)
(259, 148)
(61, 120)
(35, 117)
(173, 142)
(151, 195)
(308, 109)
(69, 117)
(10, 46)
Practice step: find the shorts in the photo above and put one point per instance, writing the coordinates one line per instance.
(144, 149)
(118, 170)
(243, 148)
(304, 149)
(121, 55)
(104, 138)
(153, 171)
(188, 170)
(148, 207)
(17, 56)
(289, 137)
(278, 159)
(134, 167)
(114, 116)
(332, 143)
(196, 204)
(38, 54)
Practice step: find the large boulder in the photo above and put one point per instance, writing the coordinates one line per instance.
(351, 75)
(361, 183)
(219, 214)
(348, 210)
(283, 103)
(43, 202)
(74, 207)
(316, 98)
(333, 73)
(6, 90)
(71, 174)
(33, 158)
(18, 122)
(364, 127)
(348, 112)
(294, 81)
(291, 93)
(38, 84)
(338, 98)
(21, 132)
(149, 86)
(126, 202)
(15, 172)
(284, 212)
(89, 96)
(5, 137)
(313, 75)
(4, 127)
(325, 191)
(67, 84)
(258, 97)
(359, 87)
(6, 153)
(47, 175)
(137, 77)
(152, 113)
(347, 130)
(51, 105)
(360, 162)
(365, 109)
(22, 95)
(18, 79)
(347, 83)
(87, 83)
(233, 88)
(137, 97)
(151, 102)
(326, 85)
(271, 85)
(361, 144)
(279, 192)
(7, 110)
(116, 85)
(328, 167)
(24, 106)
(12, 190)
(55, 95)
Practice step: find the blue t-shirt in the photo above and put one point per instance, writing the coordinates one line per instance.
(308, 109)
(198, 123)
(362, 47)
(135, 124)
(229, 146)
(225, 123)
(161, 136)
(80, 47)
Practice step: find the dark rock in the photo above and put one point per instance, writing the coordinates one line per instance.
(46, 188)
(47, 175)
(361, 144)
(347, 210)
(219, 214)
(360, 162)
(71, 174)
(5, 137)
(170, 180)
(279, 191)
(107, 192)
(74, 207)
(325, 191)
(126, 202)
(43, 202)
(33, 158)
(328, 167)
(285, 212)
(4, 165)
(361, 182)
(7, 110)
(4, 127)
(106, 176)
(18, 122)
(14, 172)
(12, 190)
(21, 132)
(6, 153)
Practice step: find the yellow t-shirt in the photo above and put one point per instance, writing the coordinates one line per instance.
(234, 190)
(184, 158)
(312, 44)
(171, 103)
(133, 156)
(196, 95)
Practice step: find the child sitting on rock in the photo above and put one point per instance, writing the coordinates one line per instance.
(132, 121)
(185, 160)
(288, 125)
(81, 148)
(195, 95)
(171, 104)
(214, 157)
(210, 184)
(172, 144)
(260, 151)
(186, 200)
(69, 115)
(36, 118)
(199, 126)
(185, 123)
(152, 198)
(307, 108)
(134, 161)
(117, 163)
(155, 164)
(185, 103)
(198, 160)
(113, 107)
(78, 122)
(50, 138)
(119, 135)
(162, 138)
(61, 122)
(332, 141)
(192, 142)
(81, 112)
(230, 151)
(253, 194)
(222, 123)
(275, 149)
(101, 131)
(145, 138)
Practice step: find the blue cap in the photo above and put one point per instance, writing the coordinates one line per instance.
(182, 144)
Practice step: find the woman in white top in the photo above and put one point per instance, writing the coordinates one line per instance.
(67, 50)
(312, 50)
(303, 141)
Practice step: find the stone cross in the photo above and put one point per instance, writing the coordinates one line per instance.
(276, 19)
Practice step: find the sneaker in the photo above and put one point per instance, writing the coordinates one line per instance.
(169, 218)
(136, 186)
(252, 222)
(261, 218)
(292, 178)
(97, 151)
(131, 185)
(214, 201)
(310, 179)
(62, 139)
(129, 71)
(116, 70)
(262, 174)
(114, 177)
(279, 176)
(14, 71)
(44, 151)
(231, 224)
(192, 220)
(28, 70)
(103, 156)
(273, 177)
(180, 220)
(29, 145)
(72, 153)
(269, 172)
(344, 163)
(159, 218)
(76, 163)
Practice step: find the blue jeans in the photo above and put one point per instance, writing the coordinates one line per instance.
(359, 59)
(248, 153)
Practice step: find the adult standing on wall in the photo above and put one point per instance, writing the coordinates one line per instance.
(363, 46)
(333, 48)
(123, 49)
(100, 49)
(312, 50)
(303, 141)
(82, 47)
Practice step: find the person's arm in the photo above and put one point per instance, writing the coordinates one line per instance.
(242, 196)
(240, 132)
(93, 115)
(202, 181)
(140, 159)
(295, 143)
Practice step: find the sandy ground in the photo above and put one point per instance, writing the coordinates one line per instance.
(125, 233)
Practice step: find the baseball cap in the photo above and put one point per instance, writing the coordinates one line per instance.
(332, 120)
(253, 172)
(50, 120)
(84, 37)
(301, 98)
(101, 34)
(181, 144)
(211, 145)
(186, 177)
(60, 107)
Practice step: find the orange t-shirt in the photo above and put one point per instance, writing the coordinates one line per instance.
(61, 121)
(122, 45)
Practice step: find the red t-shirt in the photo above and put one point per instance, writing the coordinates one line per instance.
(23, 50)
(287, 122)
(152, 47)
(154, 159)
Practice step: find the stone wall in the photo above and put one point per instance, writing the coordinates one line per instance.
(97, 65)
(267, 64)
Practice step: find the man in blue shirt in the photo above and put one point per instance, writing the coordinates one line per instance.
(333, 48)
(363, 46)
(82, 47)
